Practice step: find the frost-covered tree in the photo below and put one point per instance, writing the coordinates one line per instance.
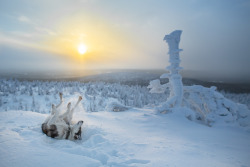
(1, 103)
(20, 105)
(175, 80)
(30, 91)
(33, 105)
(15, 99)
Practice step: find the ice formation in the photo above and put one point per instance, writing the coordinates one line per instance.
(175, 79)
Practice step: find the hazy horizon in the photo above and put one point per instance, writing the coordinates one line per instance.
(129, 73)
(45, 35)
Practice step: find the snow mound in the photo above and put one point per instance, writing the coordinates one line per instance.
(211, 107)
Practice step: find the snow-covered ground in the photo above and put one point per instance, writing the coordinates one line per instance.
(139, 136)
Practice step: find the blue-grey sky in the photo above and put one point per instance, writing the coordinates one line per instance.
(42, 34)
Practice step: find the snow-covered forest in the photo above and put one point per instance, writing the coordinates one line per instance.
(27, 94)
(38, 96)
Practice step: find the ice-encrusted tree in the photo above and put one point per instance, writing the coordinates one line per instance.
(175, 80)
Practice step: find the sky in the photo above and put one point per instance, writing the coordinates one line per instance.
(124, 34)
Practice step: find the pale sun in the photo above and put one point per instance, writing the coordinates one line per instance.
(82, 48)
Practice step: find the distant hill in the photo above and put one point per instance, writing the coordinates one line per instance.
(135, 77)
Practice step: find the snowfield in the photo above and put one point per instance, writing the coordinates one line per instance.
(122, 127)
(137, 137)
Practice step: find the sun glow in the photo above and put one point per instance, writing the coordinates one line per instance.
(82, 48)
(89, 47)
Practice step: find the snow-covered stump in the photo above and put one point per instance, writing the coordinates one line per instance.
(175, 79)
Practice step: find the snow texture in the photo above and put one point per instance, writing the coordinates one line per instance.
(137, 137)
(211, 107)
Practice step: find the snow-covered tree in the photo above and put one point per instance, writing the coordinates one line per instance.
(33, 105)
(20, 105)
(1, 101)
(175, 80)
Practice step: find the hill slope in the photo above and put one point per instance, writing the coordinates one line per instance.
(137, 137)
